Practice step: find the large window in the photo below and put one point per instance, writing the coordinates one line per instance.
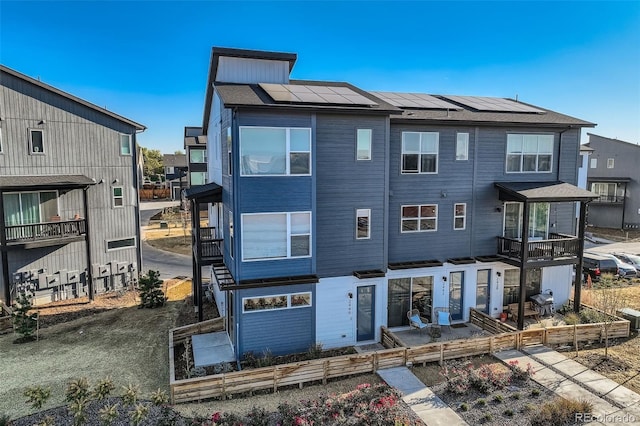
(279, 301)
(276, 235)
(538, 220)
(529, 153)
(198, 178)
(405, 294)
(511, 292)
(420, 218)
(36, 141)
(125, 144)
(275, 151)
(459, 216)
(462, 146)
(363, 144)
(25, 208)
(420, 152)
(363, 225)
(121, 244)
(198, 155)
(608, 192)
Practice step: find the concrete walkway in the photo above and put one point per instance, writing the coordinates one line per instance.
(552, 379)
(431, 409)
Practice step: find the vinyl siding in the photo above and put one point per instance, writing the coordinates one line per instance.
(246, 70)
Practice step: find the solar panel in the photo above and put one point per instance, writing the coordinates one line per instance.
(414, 100)
(303, 93)
(483, 103)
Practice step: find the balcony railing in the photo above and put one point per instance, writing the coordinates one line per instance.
(19, 234)
(210, 246)
(609, 199)
(557, 246)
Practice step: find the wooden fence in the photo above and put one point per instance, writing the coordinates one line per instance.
(394, 355)
(489, 323)
(155, 193)
(6, 321)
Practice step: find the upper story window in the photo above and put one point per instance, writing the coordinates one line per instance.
(363, 224)
(229, 151)
(363, 144)
(420, 152)
(198, 155)
(36, 141)
(538, 220)
(610, 163)
(420, 218)
(594, 163)
(275, 151)
(459, 216)
(462, 146)
(198, 178)
(125, 144)
(24, 208)
(269, 236)
(117, 193)
(529, 153)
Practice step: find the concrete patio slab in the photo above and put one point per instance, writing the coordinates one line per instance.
(211, 349)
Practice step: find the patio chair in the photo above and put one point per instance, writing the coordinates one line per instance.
(443, 317)
(416, 321)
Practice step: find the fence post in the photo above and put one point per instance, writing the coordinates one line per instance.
(441, 354)
(325, 372)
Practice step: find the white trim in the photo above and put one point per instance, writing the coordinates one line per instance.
(465, 140)
(288, 151)
(287, 295)
(289, 235)
(610, 163)
(522, 154)
(1, 146)
(106, 243)
(418, 218)
(419, 153)
(39, 202)
(370, 141)
(463, 217)
(31, 151)
(194, 149)
(114, 197)
(363, 213)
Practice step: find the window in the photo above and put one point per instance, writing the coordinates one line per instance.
(232, 250)
(594, 163)
(25, 208)
(405, 294)
(363, 230)
(276, 151)
(198, 178)
(511, 292)
(608, 192)
(462, 146)
(459, 216)
(529, 153)
(121, 244)
(276, 235)
(278, 301)
(36, 141)
(118, 198)
(420, 152)
(170, 170)
(230, 151)
(538, 220)
(419, 218)
(363, 144)
(198, 155)
(1, 140)
(125, 144)
(610, 163)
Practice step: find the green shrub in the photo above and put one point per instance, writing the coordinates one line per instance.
(508, 412)
(535, 392)
(78, 408)
(159, 397)
(481, 402)
(315, 351)
(77, 389)
(151, 295)
(108, 414)
(487, 418)
(516, 396)
(464, 407)
(130, 394)
(560, 411)
(571, 318)
(267, 359)
(103, 388)
(37, 396)
(47, 421)
(138, 414)
(498, 399)
(25, 323)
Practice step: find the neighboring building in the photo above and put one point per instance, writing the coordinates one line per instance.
(614, 174)
(175, 174)
(583, 166)
(334, 211)
(68, 193)
(195, 145)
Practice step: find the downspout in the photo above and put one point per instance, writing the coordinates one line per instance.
(87, 240)
(5, 255)
(524, 259)
(136, 274)
(624, 204)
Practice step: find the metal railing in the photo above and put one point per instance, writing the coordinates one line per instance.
(613, 199)
(558, 245)
(45, 231)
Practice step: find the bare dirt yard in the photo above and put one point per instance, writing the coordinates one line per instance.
(618, 235)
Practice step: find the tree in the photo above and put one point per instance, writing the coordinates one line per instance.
(607, 298)
(153, 162)
(179, 152)
(25, 322)
(151, 295)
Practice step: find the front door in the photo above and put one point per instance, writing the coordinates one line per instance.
(482, 290)
(456, 291)
(365, 321)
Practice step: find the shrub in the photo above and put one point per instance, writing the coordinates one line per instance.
(159, 397)
(519, 374)
(130, 394)
(508, 412)
(560, 412)
(487, 418)
(37, 396)
(47, 421)
(481, 402)
(571, 318)
(151, 295)
(25, 323)
(489, 377)
(108, 414)
(498, 399)
(138, 414)
(267, 359)
(464, 407)
(457, 379)
(529, 408)
(315, 351)
(78, 408)
(516, 396)
(4, 419)
(535, 392)
(77, 390)
(103, 388)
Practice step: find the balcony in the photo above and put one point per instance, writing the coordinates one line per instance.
(46, 234)
(609, 199)
(210, 246)
(557, 247)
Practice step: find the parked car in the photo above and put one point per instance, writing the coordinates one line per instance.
(625, 270)
(596, 265)
(631, 259)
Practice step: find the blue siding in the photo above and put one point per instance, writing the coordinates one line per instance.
(344, 185)
(281, 331)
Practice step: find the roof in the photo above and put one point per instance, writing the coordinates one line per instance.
(207, 193)
(542, 192)
(45, 182)
(599, 138)
(70, 97)
(192, 131)
(174, 160)
(195, 141)
(586, 148)
(608, 179)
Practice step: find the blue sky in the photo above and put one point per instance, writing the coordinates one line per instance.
(149, 60)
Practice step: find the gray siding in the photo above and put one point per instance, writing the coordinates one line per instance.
(77, 140)
(345, 184)
(280, 331)
(247, 70)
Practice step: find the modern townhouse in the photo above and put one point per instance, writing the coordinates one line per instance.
(68, 193)
(334, 211)
(175, 174)
(195, 145)
(614, 174)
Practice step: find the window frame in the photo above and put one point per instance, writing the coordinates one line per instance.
(593, 163)
(404, 152)
(39, 192)
(229, 152)
(532, 215)
(604, 197)
(466, 146)
(124, 154)
(1, 144)
(115, 197)
(463, 217)
(522, 153)
(231, 236)
(106, 245)
(205, 181)
(369, 142)
(31, 151)
(611, 163)
(204, 155)
(288, 231)
(289, 301)
(419, 218)
(288, 151)
(362, 213)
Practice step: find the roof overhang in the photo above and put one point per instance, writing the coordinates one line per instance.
(45, 182)
(209, 193)
(542, 192)
(609, 179)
